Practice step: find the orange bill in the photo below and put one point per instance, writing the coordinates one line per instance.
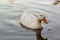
(45, 20)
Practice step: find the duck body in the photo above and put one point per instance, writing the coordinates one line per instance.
(30, 21)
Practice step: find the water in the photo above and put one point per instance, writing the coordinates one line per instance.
(9, 21)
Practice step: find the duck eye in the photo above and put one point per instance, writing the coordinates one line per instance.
(40, 15)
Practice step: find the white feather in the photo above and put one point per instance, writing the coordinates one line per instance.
(30, 20)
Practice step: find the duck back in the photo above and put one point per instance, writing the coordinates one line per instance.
(30, 21)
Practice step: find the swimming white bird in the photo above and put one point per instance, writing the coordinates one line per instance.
(11, 1)
(31, 21)
(56, 2)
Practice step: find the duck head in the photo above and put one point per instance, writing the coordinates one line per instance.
(42, 17)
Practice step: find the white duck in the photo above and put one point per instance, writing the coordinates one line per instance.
(11, 1)
(56, 2)
(32, 21)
